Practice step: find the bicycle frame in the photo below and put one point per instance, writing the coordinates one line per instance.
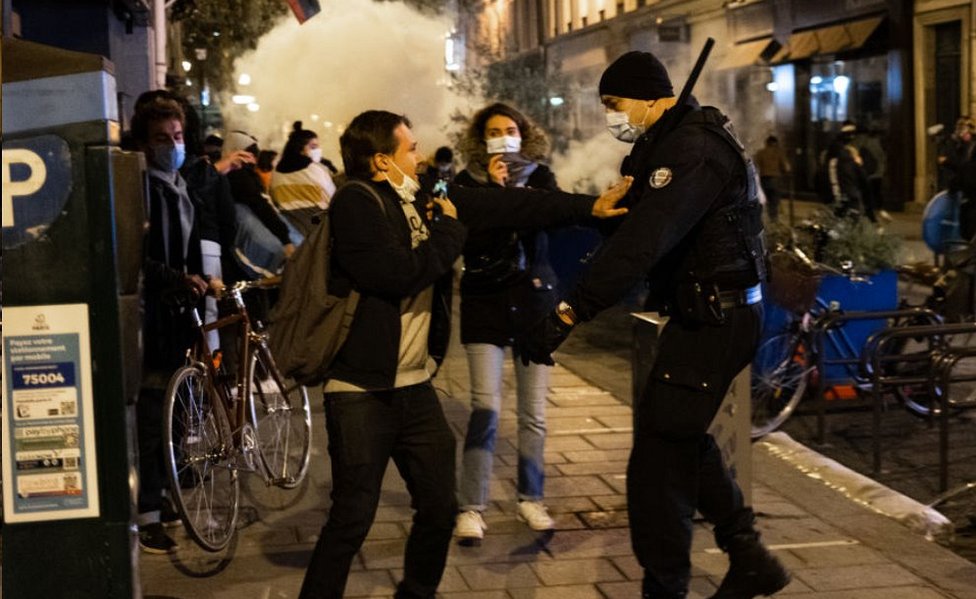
(236, 411)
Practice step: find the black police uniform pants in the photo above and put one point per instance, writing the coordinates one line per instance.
(365, 430)
(675, 466)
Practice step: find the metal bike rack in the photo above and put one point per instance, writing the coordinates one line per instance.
(940, 385)
(876, 354)
(834, 321)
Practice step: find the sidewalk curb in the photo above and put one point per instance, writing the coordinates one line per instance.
(816, 488)
(859, 488)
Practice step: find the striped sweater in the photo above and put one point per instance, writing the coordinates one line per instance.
(310, 187)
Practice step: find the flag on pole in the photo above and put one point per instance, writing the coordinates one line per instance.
(304, 9)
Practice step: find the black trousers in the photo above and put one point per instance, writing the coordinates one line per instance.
(365, 430)
(149, 437)
(675, 467)
(770, 187)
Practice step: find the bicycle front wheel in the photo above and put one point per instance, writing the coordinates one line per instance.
(780, 376)
(197, 452)
(282, 421)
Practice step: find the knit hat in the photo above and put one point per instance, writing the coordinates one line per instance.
(238, 140)
(636, 75)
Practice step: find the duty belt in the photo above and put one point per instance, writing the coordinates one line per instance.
(743, 297)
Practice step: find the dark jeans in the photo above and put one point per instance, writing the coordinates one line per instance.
(365, 430)
(149, 432)
(771, 190)
(675, 466)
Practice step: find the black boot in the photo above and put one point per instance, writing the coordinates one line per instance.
(753, 570)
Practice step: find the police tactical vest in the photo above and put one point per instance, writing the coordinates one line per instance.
(726, 246)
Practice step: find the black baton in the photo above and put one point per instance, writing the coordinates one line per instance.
(695, 72)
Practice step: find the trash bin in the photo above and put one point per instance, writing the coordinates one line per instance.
(732, 424)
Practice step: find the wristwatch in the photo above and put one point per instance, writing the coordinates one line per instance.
(566, 313)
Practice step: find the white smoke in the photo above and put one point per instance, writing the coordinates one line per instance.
(590, 166)
(355, 55)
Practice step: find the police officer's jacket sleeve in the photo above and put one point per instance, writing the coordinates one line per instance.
(519, 208)
(700, 170)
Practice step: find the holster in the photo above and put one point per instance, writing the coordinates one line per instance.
(699, 303)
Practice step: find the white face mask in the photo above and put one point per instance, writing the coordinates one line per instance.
(315, 154)
(504, 144)
(408, 188)
(620, 126)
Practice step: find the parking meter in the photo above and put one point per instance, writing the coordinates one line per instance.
(73, 220)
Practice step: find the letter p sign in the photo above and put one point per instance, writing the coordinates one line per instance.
(22, 187)
(37, 183)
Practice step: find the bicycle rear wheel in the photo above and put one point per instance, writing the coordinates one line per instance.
(282, 421)
(780, 377)
(197, 452)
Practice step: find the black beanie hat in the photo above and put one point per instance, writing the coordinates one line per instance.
(637, 75)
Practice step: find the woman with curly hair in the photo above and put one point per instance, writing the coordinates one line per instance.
(507, 285)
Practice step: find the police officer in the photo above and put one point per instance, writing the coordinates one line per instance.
(694, 231)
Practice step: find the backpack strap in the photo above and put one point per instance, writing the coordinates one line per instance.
(370, 189)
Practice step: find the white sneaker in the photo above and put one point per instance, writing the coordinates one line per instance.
(535, 514)
(883, 215)
(470, 527)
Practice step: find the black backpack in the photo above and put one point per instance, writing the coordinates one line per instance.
(308, 324)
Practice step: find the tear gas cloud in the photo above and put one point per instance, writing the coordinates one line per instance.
(355, 55)
(358, 55)
(590, 166)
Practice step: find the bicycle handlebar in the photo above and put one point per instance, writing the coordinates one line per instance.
(241, 286)
(846, 270)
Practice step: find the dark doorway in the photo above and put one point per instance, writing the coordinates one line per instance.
(948, 65)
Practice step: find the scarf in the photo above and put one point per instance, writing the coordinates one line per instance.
(175, 187)
(520, 169)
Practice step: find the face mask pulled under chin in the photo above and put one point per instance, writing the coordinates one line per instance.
(408, 188)
(504, 144)
(621, 128)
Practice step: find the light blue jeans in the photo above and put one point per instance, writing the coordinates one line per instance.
(485, 363)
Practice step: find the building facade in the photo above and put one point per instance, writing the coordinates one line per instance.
(944, 38)
(793, 68)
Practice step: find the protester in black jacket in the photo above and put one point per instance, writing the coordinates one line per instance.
(507, 284)
(847, 180)
(695, 233)
(173, 279)
(379, 401)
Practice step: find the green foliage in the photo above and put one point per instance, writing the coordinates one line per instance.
(522, 82)
(836, 241)
(225, 29)
(434, 7)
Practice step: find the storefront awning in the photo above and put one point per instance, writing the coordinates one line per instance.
(827, 40)
(743, 55)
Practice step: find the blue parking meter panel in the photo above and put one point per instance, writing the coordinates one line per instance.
(49, 465)
(36, 186)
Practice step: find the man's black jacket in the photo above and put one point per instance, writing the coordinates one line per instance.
(372, 253)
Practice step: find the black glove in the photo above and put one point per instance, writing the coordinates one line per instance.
(542, 339)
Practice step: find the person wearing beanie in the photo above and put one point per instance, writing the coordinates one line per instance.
(301, 185)
(694, 234)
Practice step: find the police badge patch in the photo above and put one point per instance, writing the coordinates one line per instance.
(660, 177)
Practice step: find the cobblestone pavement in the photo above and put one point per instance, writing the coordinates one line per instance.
(836, 549)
